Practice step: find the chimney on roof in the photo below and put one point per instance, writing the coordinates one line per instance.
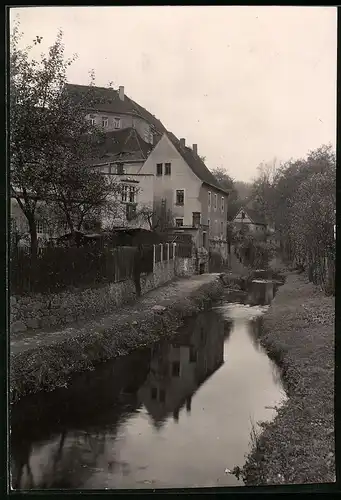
(121, 92)
(195, 149)
(182, 142)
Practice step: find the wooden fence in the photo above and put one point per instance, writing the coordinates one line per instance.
(59, 268)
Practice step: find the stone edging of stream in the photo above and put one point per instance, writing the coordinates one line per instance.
(45, 368)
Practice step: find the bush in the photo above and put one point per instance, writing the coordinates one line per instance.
(256, 253)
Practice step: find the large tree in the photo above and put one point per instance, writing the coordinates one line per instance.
(51, 141)
(299, 196)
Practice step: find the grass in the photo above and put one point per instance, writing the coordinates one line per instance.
(298, 446)
(50, 366)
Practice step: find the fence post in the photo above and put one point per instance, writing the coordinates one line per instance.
(167, 251)
(154, 256)
(161, 252)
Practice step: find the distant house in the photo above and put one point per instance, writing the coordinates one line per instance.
(197, 201)
(250, 219)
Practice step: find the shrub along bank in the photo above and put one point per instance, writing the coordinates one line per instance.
(298, 446)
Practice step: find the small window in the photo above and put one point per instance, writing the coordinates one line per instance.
(159, 169)
(124, 193)
(180, 196)
(119, 169)
(153, 392)
(222, 203)
(131, 194)
(130, 212)
(243, 215)
(41, 226)
(204, 239)
(179, 222)
(215, 201)
(176, 369)
(117, 122)
(208, 223)
(192, 354)
(105, 122)
(167, 168)
(222, 228)
(209, 199)
(92, 120)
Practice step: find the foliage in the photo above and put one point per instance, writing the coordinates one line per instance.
(159, 218)
(51, 142)
(255, 252)
(299, 197)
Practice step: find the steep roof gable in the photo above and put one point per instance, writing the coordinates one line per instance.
(196, 164)
(253, 215)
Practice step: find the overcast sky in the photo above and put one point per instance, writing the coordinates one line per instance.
(246, 84)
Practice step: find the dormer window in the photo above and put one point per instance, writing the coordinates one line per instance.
(117, 122)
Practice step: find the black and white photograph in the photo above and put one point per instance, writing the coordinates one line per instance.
(171, 248)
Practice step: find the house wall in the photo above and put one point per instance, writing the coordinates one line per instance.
(46, 226)
(18, 217)
(142, 127)
(217, 216)
(253, 228)
(144, 199)
(181, 177)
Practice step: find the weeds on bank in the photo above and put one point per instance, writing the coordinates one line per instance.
(298, 446)
(49, 367)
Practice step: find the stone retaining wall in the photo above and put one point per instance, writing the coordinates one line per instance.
(43, 311)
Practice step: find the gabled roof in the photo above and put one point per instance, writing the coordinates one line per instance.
(196, 164)
(124, 145)
(255, 216)
(108, 101)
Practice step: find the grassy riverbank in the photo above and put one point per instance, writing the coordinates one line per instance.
(298, 446)
(47, 359)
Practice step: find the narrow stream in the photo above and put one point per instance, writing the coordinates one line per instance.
(176, 415)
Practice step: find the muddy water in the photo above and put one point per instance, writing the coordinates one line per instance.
(177, 415)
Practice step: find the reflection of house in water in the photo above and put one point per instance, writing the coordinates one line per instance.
(261, 293)
(178, 369)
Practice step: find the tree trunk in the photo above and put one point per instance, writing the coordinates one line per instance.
(33, 236)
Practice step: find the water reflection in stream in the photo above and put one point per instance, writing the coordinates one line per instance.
(175, 415)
